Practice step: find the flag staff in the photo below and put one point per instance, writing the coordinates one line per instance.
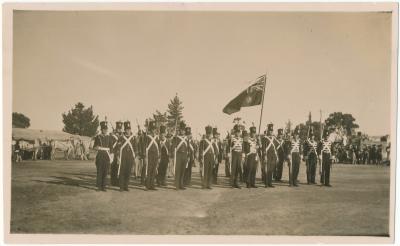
(262, 104)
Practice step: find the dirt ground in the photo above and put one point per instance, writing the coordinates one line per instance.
(60, 197)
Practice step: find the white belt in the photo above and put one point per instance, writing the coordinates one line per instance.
(103, 148)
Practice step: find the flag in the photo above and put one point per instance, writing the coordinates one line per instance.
(250, 97)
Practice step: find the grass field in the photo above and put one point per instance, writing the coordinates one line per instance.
(60, 197)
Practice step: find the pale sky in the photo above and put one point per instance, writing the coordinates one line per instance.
(128, 64)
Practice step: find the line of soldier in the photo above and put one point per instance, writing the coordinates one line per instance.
(242, 153)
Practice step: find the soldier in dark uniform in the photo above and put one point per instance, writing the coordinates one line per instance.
(243, 167)
(270, 154)
(164, 159)
(180, 151)
(251, 147)
(127, 153)
(281, 156)
(218, 153)
(227, 150)
(294, 156)
(114, 165)
(263, 163)
(237, 156)
(191, 155)
(311, 156)
(207, 158)
(141, 154)
(103, 145)
(325, 149)
(151, 155)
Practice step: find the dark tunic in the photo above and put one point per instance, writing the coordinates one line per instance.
(207, 159)
(310, 153)
(127, 153)
(270, 157)
(151, 153)
(251, 151)
(236, 146)
(189, 165)
(104, 145)
(180, 151)
(325, 150)
(165, 146)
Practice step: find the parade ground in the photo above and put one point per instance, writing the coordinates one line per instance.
(61, 197)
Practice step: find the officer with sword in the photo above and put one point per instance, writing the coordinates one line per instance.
(103, 145)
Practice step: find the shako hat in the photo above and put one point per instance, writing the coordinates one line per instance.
(127, 125)
(182, 125)
(215, 131)
(118, 125)
(188, 130)
(163, 129)
(152, 125)
(270, 127)
(103, 125)
(208, 129)
(280, 131)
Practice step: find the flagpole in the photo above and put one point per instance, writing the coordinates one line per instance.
(262, 104)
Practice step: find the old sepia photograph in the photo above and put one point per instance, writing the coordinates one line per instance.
(220, 120)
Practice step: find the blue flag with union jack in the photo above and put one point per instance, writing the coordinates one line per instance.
(250, 97)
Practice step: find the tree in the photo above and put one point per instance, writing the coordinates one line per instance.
(160, 118)
(80, 120)
(304, 129)
(338, 120)
(20, 120)
(174, 112)
(288, 127)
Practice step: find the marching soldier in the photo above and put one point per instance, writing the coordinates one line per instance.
(103, 144)
(151, 155)
(191, 155)
(311, 157)
(270, 155)
(281, 156)
(294, 156)
(218, 153)
(207, 158)
(114, 165)
(251, 151)
(325, 149)
(127, 154)
(180, 151)
(236, 159)
(164, 159)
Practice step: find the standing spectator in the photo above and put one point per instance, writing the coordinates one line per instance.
(18, 157)
(388, 153)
